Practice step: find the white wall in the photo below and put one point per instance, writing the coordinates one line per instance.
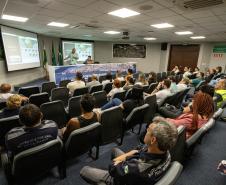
(103, 54)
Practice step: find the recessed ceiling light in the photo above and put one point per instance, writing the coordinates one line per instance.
(57, 24)
(112, 32)
(198, 37)
(87, 35)
(149, 38)
(183, 32)
(162, 25)
(14, 18)
(123, 13)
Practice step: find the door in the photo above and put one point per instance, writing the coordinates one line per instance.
(183, 55)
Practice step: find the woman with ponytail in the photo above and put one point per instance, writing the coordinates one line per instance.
(201, 110)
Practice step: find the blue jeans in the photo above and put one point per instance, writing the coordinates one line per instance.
(112, 103)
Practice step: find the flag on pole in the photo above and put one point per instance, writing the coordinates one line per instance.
(53, 56)
(44, 56)
(60, 55)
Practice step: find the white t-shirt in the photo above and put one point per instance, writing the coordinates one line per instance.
(114, 90)
(5, 96)
(75, 85)
(186, 74)
(92, 83)
(105, 82)
(162, 95)
(181, 87)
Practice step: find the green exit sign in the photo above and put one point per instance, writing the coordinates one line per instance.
(219, 49)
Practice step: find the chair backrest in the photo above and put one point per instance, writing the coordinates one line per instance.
(74, 106)
(28, 91)
(123, 82)
(111, 124)
(2, 104)
(171, 99)
(101, 78)
(180, 97)
(48, 86)
(151, 101)
(145, 88)
(39, 99)
(136, 116)
(80, 91)
(82, 140)
(159, 77)
(100, 98)
(37, 161)
(178, 151)
(63, 83)
(6, 124)
(55, 111)
(152, 87)
(171, 175)
(107, 87)
(119, 95)
(164, 75)
(95, 88)
(60, 93)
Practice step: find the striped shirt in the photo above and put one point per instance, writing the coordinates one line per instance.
(22, 138)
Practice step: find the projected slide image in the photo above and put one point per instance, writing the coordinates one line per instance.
(21, 49)
(29, 49)
(82, 49)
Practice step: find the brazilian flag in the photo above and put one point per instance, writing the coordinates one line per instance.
(53, 56)
(60, 55)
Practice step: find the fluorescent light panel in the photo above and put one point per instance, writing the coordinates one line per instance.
(14, 18)
(124, 13)
(162, 25)
(57, 24)
(183, 32)
(150, 38)
(112, 32)
(198, 37)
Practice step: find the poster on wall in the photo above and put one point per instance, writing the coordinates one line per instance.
(129, 50)
(219, 51)
(218, 56)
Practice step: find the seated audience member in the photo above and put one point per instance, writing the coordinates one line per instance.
(196, 81)
(34, 132)
(220, 90)
(207, 89)
(94, 81)
(142, 80)
(89, 60)
(129, 83)
(210, 74)
(162, 91)
(108, 79)
(196, 71)
(135, 99)
(119, 76)
(176, 70)
(78, 83)
(152, 78)
(173, 86)
(116, 87)
(5, 91)
(144, 166)
(88, 117)
(183, 84)
(195, 116)
(218, 72)
(13, 105)
(130, 73)
(187, 73)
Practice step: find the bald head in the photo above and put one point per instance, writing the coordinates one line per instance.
(5, 88)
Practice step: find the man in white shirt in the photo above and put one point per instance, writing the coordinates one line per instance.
(116, 87)
(5, 91)
(183, 84)
(161, 95)
(73, 57)
(187, 73)
(78, 83)
(93, 82)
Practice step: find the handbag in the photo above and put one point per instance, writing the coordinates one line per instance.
(169, 111)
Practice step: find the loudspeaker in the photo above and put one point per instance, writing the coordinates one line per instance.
(164, 46)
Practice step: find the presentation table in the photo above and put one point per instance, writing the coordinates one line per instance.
(58, 73)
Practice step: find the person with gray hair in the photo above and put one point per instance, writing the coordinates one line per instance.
(94, 81)
(144, 166)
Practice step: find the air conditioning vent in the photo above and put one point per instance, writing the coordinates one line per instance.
(85, 26)
(196, 4)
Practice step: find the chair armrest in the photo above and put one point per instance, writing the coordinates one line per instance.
(6, 164)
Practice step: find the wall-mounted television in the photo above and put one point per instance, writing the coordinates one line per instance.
(129, 50)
